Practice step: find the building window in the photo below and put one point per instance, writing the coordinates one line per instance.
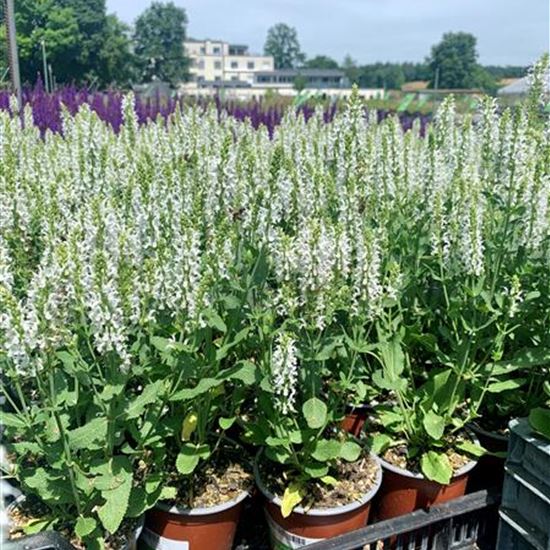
(203, 50)
(217, 64)
(201, 64)
(216, 50)
(267, 64)
(250, 64)
(234, 64)
(234, 77)
(217, 78)
(200, 78)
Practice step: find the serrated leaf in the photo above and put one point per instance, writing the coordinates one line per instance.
(12, 420)
(113, 511)
(350, 451)
(84, 526)
(315, 413)
(90, 436)
(434, 425)
(436, 467)
(292, 496)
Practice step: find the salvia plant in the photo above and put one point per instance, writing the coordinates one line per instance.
(168, 286)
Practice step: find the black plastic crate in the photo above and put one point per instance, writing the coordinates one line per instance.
(467, 522)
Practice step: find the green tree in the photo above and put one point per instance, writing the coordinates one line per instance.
(453, 63)
(81, 42)
(321, 62)
(351, 69)
(159, 35)
(116, 59)
(49, 22)
(282, 43)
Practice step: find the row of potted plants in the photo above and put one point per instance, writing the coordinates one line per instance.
(190, 306)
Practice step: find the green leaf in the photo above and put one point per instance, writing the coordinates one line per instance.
(326, 449)
(213, 320)
(113, 511)
(329, 480)
(436, 467)
(189, 457)
(110, 391)
(315, 413)
(84, 526)
(151, 394)
(12, 420)
(90, 436)
(246, 373)
(226, 423)
(387, 383)
(471, 448)
(378, 443)
(53, 487)
(168, 493)
(316, 469)
(292, 496)
(38, 525)
(505, 385)
(434, 425)
(539, 419)
(167, 345)
(204, 385)
(350, 451)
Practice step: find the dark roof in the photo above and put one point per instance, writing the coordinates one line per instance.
(302, 72)
(223, 84)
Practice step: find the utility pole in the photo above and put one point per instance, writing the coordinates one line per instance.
(13, 57)
(45, 65)
(436, 83)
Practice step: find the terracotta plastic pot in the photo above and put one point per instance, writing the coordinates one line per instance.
(173, 528)
(355, 419)
(403, 492)
(306, 527)
(489, 471)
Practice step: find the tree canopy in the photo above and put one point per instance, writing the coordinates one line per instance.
(454, 63)
(80, 41)
(159, 35)
(282, 43)
(321, 62)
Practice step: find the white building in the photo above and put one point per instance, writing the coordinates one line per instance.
(221, 62)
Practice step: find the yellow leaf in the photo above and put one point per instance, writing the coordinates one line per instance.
(293, 495)
(329, 480)
(188, 426)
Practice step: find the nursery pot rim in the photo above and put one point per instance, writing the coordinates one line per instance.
(476, 428)
(136, 531)
(407, 473)
(323, 511)
(202, 511)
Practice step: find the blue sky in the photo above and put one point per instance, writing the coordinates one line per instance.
(509, 32)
